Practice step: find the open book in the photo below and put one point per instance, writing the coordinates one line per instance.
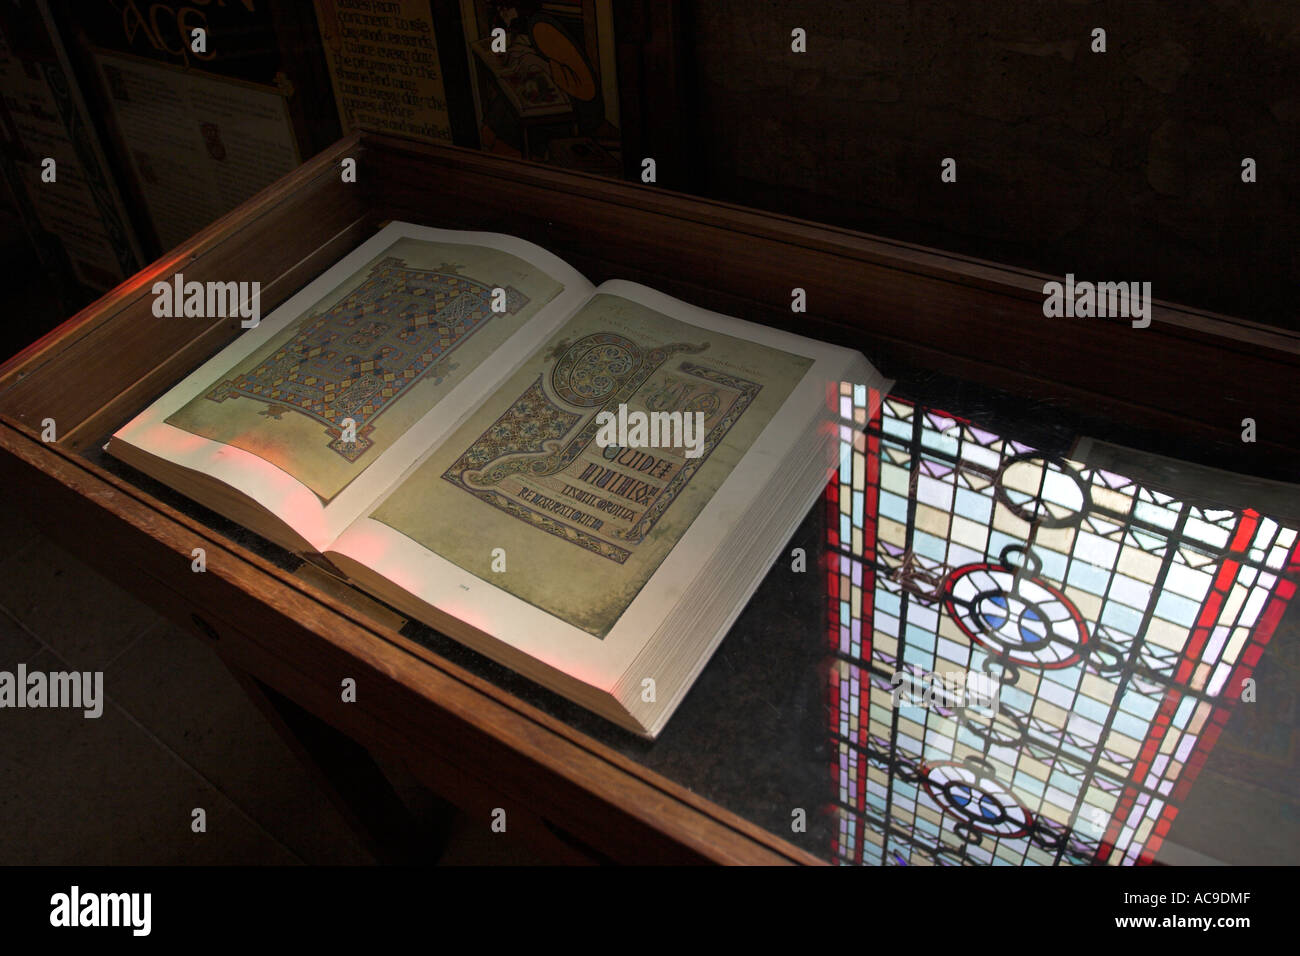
(583, 483)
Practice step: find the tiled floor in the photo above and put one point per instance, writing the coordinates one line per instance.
(177, 733)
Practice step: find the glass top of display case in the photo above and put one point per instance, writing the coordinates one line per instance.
(995, 639)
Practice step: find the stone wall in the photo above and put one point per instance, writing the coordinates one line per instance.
(1123, 165)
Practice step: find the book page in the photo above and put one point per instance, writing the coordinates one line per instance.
(329, 399)
(590, 463)
(380, 350)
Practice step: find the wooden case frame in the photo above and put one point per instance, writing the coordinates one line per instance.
(467, 739)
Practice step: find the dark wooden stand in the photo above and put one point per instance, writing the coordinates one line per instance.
(481, 748)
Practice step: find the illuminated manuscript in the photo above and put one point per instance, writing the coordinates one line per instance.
(585, 523)
(331, 391)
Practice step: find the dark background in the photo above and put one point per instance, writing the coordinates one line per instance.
(1123, 165)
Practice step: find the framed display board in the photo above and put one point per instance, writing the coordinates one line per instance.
(203, 106)
(53, 159)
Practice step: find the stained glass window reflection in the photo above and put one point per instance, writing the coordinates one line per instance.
(1116, 624)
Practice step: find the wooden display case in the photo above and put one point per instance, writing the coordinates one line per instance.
(1190, 375)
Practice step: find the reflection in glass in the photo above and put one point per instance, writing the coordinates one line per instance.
(1118, 623)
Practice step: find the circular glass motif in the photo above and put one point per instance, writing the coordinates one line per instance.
(1026, 619)
(1044, 491)
(984, 802)
(593, 367)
